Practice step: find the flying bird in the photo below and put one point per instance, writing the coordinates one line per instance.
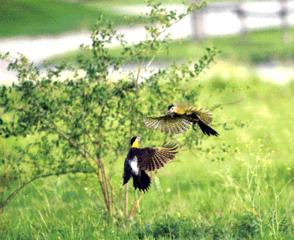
(139, 160)
(180, 117)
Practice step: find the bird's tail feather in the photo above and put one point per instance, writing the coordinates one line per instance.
(142, 181)
(126, 177)
(207, 129)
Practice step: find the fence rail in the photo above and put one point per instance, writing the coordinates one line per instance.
(282, 12)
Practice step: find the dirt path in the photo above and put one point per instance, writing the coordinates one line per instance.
(40, 48)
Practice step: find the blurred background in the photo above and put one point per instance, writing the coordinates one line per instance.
(236, 186)
(256, 34)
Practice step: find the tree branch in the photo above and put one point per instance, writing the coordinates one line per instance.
(73, 143)
(136, 205)
(24, 184)
(227, 103)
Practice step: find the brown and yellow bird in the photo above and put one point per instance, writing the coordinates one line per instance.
(140, 160)
(180, 117)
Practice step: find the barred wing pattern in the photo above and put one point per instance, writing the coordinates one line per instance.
(168, 124)
(151, 159)
(204, 115)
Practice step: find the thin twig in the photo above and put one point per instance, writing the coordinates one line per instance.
(228, 103)
(102, 178)
(73, 143)
(136, 205)
(103, 183)
(137, 78)
(126, 199)
(23, 185)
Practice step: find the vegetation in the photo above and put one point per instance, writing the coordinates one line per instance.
(36, 17)
(63, 144)
(42, 17)
(257, 47)
(133, 2)
(239, 185)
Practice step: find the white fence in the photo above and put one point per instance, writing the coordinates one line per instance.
(244, 11)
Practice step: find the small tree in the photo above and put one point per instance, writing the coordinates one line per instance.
(82, 123)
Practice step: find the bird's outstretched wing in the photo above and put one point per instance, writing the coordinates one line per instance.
(151, 159)
(204, 115)
(168, 124)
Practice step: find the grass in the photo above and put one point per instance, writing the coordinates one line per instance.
(245, 191)
(42, 17)
(258, 46)
(37, 17)
(132, 2)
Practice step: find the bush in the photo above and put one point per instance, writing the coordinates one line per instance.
(81, 123)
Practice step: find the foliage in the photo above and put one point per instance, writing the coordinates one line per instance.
(248, 194)
(82, 123)
(236, 186)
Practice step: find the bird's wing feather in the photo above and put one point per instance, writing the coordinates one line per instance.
(151, 159)
(168, 124)
(127, 172)
(204, 115)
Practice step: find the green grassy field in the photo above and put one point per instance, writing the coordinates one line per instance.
(246, 192)
(47, 17)
(36, 17)
(132, 2)
(258, 46)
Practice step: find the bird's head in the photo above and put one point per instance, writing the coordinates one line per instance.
(171, 109)
(135, 141)
(176, 109)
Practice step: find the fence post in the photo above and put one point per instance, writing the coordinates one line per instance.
(241, 14)
(197, 24)
(283, 13)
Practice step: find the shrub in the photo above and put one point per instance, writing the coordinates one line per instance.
(81, 123)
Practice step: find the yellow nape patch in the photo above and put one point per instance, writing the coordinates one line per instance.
(179, 110)
(135, 144)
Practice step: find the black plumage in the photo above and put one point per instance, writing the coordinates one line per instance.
(140, 160)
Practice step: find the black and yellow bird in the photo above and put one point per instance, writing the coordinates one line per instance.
(180, 117)
(140, 160)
